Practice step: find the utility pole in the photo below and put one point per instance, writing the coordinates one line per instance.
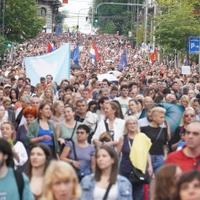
(2, 14)
(130, 4)
(145, 21)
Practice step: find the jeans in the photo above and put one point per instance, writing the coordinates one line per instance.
(137, 190)
(157, 162)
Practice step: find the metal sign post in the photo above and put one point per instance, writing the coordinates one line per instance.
(194, 46)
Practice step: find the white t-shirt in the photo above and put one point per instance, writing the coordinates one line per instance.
(123, 103)
(100, 192)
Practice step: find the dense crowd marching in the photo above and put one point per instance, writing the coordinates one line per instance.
(91, 138)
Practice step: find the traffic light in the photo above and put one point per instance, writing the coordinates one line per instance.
(96, 20)
(8, 44)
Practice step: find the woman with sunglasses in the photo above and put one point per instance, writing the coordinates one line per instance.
(177, 140)
(80, 154)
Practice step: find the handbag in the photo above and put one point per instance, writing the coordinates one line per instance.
(62, 146)
(106, 136)
(136, 176)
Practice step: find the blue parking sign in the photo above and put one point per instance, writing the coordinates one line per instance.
(194, 45)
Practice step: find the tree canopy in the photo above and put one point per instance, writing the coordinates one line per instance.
(176, 23)
(21, 20)
(112, 18)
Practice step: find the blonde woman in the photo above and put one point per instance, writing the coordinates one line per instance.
(60, 182)
(159, 136)
(184, 101)
(177, 141)
(131, 147)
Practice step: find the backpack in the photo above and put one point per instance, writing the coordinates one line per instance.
(20, 183)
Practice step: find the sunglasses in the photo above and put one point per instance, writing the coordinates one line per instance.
(189, 115)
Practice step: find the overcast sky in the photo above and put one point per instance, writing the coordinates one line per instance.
(77, 8)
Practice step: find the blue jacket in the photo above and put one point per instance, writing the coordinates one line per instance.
(124, 188)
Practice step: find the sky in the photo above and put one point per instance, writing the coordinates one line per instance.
(77, 13)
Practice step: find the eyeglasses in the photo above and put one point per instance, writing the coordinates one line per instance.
(189, 115)
(80, 132)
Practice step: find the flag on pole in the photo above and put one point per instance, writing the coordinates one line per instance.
(123, 59)
(153, 56)
(56, 63)
(75, 55)
(94, 53)
(50, 47)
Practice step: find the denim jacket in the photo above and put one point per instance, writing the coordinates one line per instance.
(124, 188)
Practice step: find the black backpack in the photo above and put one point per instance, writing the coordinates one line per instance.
(20, 183)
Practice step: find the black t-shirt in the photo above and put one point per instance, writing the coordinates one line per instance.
(157, 146)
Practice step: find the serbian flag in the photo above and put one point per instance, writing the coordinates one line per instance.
(94, 54)
(50, 47)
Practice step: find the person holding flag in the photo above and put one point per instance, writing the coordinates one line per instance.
(94, 53)
(123, 59)
(75, 55)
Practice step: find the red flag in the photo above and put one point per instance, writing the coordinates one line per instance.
(49, 47)
(65, 1)
(153, 56)
(98, 57)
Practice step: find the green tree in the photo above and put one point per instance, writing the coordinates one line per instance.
(2, 45)
(21, 20)
(121, 17)
(175, 26)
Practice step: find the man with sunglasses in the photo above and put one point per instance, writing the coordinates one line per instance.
(188, 158)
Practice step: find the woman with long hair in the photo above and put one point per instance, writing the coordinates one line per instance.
(42, 130)
(58, 111)
(133, 139)
(60, 182)
(67, 128)
(164, 185)
(177, 141)
(112, 124)
(14, 96)
(48, 95)
(40, 156)
(30, 114)
(188, 186)
(19, 151)
(105, 183)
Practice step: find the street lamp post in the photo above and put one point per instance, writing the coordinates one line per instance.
(130, 4)
(2, 10)
(79, 15)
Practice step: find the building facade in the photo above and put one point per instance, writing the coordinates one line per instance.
(48, 9)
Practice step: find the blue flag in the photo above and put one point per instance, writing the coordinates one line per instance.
(123, 59)
(56, 63)
(75, 55)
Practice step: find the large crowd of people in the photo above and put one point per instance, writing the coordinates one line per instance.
(137, 137)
